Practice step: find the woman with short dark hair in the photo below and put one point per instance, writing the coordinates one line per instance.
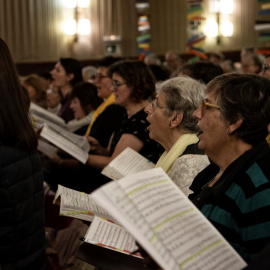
(22, 231)
(234, 191)
(66, 73)
(84, 101)
(133, 85)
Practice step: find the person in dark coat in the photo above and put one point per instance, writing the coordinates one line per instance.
(22, 231)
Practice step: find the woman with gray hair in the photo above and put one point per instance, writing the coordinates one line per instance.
(173, 126)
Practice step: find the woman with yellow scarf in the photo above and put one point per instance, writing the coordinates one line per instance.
(174, 127)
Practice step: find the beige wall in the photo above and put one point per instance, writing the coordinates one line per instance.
(32, 28)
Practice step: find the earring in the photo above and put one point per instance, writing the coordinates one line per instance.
(228, 131)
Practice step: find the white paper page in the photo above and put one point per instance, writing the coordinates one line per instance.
(72, 206)
(46, 148)
(128, 162)
(74, 193)
(181, 236)
(108, 234)
(51, 117)
(80, 141)
(64, 143)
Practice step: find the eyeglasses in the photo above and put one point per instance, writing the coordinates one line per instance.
(100, 76)
(154, 104)
(206, 106)
(264, 68)
(52, 91)
(116, 84)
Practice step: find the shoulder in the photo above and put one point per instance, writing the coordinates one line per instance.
(138, 120)
(112, 113)
(190, 164)
(136, 125)
(17, 165)
(186, 168)
(114, 109)
(192, 159)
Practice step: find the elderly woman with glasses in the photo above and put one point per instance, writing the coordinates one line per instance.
(233, 192)
(173, 126)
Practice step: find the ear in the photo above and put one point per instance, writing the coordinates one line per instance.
(176, 119)
(89, 109)
(233, 127)
(70, 76)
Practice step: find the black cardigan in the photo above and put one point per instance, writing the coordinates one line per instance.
(22, 231)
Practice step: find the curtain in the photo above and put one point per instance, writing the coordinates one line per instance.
(32, 28)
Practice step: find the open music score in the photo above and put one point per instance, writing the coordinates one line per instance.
(165, 223)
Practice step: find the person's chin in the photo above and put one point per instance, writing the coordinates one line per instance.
(201, 145)
(151, 135)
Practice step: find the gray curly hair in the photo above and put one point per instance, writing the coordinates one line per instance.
(183, 95)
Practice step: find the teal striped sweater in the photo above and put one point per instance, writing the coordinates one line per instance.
(238, 205)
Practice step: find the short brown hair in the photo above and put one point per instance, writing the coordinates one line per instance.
(244, 96)
(137, 75)
(87, 94)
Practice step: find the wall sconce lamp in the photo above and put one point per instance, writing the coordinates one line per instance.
(220, 25)
(79, 25)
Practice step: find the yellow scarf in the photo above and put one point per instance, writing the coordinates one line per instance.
(99, 110)
(167, 159)
(268, 139)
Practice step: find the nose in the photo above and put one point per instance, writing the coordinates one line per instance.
(71, 105)
(95, 80)
(148, 108)
(112, 89)
(197, 114)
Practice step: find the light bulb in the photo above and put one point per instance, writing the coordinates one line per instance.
(84, 27)
(69, 27)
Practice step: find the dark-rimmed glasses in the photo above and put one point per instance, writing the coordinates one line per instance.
(100, 76)
(205, 106)
(116, 84)
(52, 91)
(264, 68)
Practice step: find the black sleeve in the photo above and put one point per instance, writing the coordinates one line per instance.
(106, 123)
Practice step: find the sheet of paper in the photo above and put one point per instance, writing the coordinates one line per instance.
(46, 148)
(72, 206)
(74, 193)
(80, 141)
(44, 114)
(65, 143)
(172, 229)
(78, 204)
(128, 162)
(108, 234)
